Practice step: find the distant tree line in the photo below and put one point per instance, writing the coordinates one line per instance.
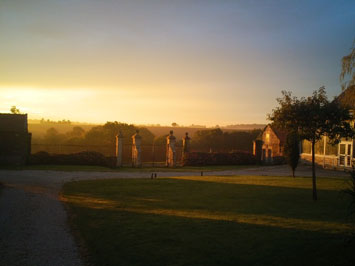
(211, 139)
(217, 140)
(48, 121)
(98, 135)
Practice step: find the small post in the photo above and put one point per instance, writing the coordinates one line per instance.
(170, 150)
(136, 150)
(119, 148)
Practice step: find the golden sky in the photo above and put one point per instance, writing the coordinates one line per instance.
(201, 62)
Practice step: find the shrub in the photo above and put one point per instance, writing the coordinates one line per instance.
(81, 158)
(292, 152)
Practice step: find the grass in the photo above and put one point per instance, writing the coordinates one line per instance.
(93, 168)
(210, 221)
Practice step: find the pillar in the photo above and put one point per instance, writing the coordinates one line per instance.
(185, 145)
(119, 149)
(170, 150)
(136, 150)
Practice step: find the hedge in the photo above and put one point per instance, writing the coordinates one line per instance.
(80, 158)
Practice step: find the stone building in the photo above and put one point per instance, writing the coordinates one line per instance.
(269, 146)
(15, 140)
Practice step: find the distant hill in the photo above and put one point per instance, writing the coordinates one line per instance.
(245, 126)
(38, 130)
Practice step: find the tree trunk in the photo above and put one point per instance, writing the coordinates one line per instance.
(314, 172)
(293, 172)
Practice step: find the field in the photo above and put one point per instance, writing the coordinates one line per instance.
(210, 221)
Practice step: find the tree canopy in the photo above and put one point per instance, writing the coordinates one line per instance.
(312, 118)
(347, 69)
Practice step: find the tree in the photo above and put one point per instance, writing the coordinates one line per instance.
(312, 118)
(347, 68)
(292, 151)
(52, 136)
(174, 124)
(14, 110)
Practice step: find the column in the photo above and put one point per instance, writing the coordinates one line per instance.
(170, 150)
(119, 149)
(136, 150)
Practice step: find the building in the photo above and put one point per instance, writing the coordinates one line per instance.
(15, 140)
(269, 146)
(333, 155)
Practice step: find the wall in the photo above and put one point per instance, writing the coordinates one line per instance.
(327, 161)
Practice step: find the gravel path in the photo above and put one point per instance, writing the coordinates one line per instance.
(33, 227)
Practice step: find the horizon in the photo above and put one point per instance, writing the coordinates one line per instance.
(156, 62)
(63, 121)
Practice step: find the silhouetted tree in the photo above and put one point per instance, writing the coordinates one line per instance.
(14, 110)
(347, 68)
(106, 134)
(312, 117)
(292, 151)
(52, 136)
(217, 140)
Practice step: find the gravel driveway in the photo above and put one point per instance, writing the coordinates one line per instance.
(33, 227)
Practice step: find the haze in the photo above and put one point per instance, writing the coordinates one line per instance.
(201, 62)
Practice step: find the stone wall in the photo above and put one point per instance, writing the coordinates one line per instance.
(15, 148)
(13, 122)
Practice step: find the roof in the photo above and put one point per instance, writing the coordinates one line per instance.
(280, 133)
(347, 97)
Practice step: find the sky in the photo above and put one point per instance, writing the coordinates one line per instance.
(201, 62)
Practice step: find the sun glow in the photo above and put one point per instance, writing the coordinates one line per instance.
(98, 106)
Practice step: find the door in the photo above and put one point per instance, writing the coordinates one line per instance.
(345, 154)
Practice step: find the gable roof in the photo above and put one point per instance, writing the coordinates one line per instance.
(280, 133)
(347, 97)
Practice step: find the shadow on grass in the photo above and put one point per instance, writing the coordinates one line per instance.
(93, 168)
(185, 222)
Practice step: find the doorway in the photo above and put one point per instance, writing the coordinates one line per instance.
(345, 154)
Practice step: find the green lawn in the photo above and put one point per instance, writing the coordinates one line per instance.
(210, 221)
(93, 168)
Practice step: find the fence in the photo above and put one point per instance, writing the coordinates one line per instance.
(150, 154)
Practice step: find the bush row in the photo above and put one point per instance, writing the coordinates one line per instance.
(204, 158)
(80, 158)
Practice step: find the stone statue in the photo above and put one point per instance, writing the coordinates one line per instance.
(170, 150)
(185, 145)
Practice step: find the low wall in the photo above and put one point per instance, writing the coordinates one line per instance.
(326, 161)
